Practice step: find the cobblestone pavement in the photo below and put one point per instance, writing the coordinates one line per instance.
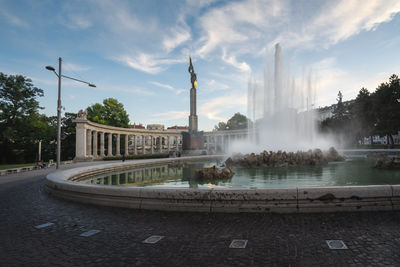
(190, 239)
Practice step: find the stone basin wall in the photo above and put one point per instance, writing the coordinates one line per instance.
(286, 200)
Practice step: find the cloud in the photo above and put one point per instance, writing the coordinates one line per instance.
(167, 86)
(238, 23)
(337, 21)
(212, 109)
(242, 66)
(171, 115)
(12, 19)
(74, 67)
(131, 90)
(176, 37)
(212, 85)
(148, 63)
(75, 21)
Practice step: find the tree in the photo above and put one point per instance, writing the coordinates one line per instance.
(110, 113)
(386, 107)
(237, 122)
(68, 136)
(339, 124)
(362, 115)
(21, 126)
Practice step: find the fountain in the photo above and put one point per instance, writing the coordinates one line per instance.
(282, 116)
(280, 112)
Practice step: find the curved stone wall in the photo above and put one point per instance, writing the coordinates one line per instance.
(290, 200)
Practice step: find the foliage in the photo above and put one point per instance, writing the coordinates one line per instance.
(143, 156)
(369, 114)
(111, 112)
(237, 122)
(21, 126)
(68, 135)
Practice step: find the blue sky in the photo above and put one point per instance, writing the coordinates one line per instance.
(137, 51)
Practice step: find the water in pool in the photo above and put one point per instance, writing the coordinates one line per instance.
(350, 172)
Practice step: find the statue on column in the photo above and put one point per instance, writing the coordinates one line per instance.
(193, 77)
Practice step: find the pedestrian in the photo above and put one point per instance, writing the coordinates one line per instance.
(123, 158)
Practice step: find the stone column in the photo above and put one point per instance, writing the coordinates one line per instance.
(109, 145)
(143, 144)
(118, 148)
(168, 143)
(102, 144)
(89, 143)
(208, 142)
(80, 142)
(95, 154)
(126, 145)
(215, 142)
(134, 145)
(160, 145)
(152, 144)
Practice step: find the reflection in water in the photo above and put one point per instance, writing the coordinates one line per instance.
(355, 172)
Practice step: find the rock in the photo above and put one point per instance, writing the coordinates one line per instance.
(333, 155)
(283, 158)
(385, 162)
(214, 173)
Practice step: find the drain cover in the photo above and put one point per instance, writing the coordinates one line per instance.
(153, 239)
(90, 233)
(336, 244)
(44, 225)
(238, 243)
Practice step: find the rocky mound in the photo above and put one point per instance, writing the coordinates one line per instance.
(214, 173)
(385, 162)
(281, 159)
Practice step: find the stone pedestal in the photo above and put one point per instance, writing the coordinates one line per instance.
(193, 141)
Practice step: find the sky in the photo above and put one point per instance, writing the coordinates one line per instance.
(137, 51)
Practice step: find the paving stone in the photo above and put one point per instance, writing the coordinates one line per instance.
(194, 239)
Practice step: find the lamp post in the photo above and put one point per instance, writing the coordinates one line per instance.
(59, 75)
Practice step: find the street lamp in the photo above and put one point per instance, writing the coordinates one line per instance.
(59, 75)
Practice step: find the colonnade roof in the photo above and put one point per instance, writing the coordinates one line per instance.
(119, 130)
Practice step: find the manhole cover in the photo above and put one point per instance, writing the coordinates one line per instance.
(238, 243)
(44, 225)
(336, 244)
(153, 239)
(90, 233)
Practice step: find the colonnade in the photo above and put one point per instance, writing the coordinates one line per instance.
(96, 141)
(219, 141)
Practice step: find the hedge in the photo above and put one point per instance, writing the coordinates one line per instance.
(145, 156)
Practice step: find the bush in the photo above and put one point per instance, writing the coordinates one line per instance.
(145, 156)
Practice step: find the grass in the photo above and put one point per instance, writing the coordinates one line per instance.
(13, 166)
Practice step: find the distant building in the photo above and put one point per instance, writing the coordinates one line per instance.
(327, 112)
(178, 128)
(137, 126)
(159, 127)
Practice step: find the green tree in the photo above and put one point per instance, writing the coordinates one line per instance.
(110, 113)
(237, 122)
(362, 115)
(20, 124)
(68, 136)
(386, 107)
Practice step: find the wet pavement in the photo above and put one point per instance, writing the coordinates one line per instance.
(39, 230)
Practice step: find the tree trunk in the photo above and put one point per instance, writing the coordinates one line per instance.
(391, 141)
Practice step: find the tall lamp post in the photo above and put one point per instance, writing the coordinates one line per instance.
(59, 75)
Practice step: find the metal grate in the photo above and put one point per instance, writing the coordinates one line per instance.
(336, 244)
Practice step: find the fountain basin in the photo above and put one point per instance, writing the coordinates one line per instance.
(280, 200)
